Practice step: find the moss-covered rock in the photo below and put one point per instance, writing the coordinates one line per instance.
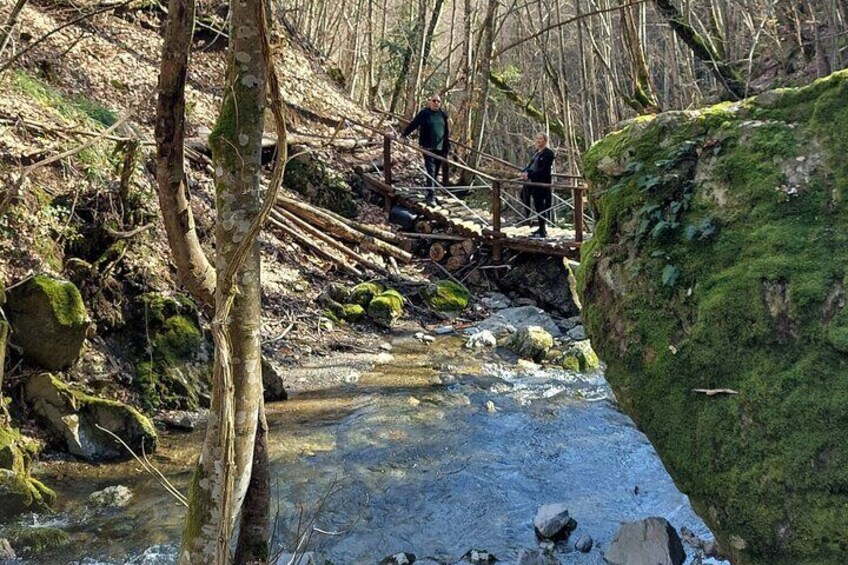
(579, 356)
(353, 312)
(19, 491)
(49, 321)
(75, 417)
(37, 540)
(386, 308)
(447, 296)
(309, 176)
(364, 293)
(718, 263)
(173, 364)
(531, 342)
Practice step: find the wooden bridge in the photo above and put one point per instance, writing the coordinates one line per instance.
(487, 207)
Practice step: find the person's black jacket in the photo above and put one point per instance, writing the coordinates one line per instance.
(426, 135)
(539, 168)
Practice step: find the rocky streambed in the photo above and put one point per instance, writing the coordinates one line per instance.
(420, 446)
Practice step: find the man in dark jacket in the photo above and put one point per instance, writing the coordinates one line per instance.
(539, 171)
(433, 136)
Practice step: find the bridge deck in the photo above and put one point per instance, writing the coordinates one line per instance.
(471, 222)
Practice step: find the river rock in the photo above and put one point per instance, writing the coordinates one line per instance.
(446, 296)
(579, 356)
(535, 557)
(483, 338)
(479, 557)
(577, 333)
(398, 559)
(444, 330)
(584, 543)
(181, 420)
(117, 496)
(712, 268)
(364, 293)
(548, 280)
(274, 388)
(49, 321)
(386, 308)
(73, 416)
(531, 342)
(6, 551)
(521, 317)
(496, 301)
(553, 522)
(652, 541)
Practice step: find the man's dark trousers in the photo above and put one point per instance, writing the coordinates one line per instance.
(432, 166)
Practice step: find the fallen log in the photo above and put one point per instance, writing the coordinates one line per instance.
(437, 252)
(310, 229)
(307, 243)
(342, 230)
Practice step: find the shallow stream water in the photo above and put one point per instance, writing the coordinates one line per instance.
(432, 449)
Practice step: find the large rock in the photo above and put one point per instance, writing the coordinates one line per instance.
(18, 490)
(501, 322)
(647, 542)
(173, 356)
(553, 522)
(49, 321)
(363, 293)
(273, 386)
(531, 342)
(386, 308)
(446, 296)
(549, 280)
(74, 418)
(717, 263)
(535, 557)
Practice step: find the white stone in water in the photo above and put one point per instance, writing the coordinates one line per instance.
(442, 330)
(117, 496)
(490, 407)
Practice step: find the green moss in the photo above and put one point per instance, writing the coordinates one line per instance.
(353, 312)
(746, 312)
(311, 178)
(65, 300)
(531, 342)
(364, 293)
(36, 541)
(386, 308)
(169, 372)
(19, 490)
(447, 296)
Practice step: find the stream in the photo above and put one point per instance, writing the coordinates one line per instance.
(430, 449)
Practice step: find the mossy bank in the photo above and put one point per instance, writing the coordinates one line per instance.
(719, 262)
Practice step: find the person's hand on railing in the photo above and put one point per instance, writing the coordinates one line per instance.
(524, 176)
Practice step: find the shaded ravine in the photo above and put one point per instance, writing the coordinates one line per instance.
(433, 450)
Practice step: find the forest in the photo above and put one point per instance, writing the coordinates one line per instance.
(270, 291)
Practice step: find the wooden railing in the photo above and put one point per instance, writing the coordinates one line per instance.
(500, 199)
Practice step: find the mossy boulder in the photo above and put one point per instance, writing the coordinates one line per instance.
(386, 308)
(531, 342)
(49, 321)
(35, 541)
(75, 417)
(579, 356)
(173, 366)
(447, 296)
(20, 491)
(717, 262)
(353, 312)
(310, 177)
(364, 293)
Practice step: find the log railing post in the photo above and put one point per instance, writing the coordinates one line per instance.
(387, 159)
(578, 212)
(496, 221)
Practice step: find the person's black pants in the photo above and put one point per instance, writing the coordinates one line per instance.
(432, 166)
(542, 199)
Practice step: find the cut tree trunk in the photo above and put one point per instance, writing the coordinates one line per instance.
(437, 252)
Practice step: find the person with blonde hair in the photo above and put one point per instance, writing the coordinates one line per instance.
(538, 172)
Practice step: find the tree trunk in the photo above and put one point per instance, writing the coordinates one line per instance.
(193, 268)
(4, 335)
(255, 530)
(223, 472)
